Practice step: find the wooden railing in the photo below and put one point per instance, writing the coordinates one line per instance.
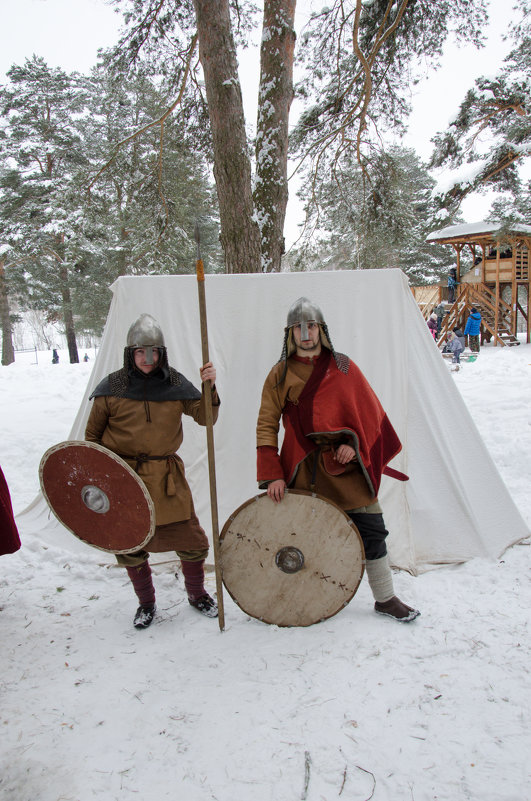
(426, 297)
(506, 270)
(521, 266)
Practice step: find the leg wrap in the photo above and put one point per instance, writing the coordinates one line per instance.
(380, 578)
(194, 578)
(142, 583)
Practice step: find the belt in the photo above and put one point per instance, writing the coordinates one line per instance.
(172, 459)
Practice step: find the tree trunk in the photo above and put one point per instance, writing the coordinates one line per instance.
(8, 352)
(240, 236)
(68, 317)
(274, 101)
(122, 255)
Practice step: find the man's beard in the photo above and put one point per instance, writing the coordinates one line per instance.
(310, 347)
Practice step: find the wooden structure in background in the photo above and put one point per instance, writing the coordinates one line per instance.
(500, 269)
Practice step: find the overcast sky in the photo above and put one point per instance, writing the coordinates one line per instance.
(68, 33)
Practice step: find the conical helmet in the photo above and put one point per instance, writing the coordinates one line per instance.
(146, 333)
(302, 312)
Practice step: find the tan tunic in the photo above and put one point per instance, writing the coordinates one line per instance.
(349, 490)
(135, 429)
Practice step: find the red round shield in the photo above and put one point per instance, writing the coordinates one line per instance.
(97, 496)
(292, 563)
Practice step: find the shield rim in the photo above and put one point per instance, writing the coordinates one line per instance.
(95, 446)
(351, 523)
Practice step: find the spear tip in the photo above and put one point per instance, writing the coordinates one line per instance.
(197, 235)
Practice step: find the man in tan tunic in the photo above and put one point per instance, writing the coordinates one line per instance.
(337, 442)
(137, 414)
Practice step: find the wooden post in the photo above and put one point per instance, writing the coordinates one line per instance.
(514, 289)
(210, 431)
(497, 311)
(528, 321)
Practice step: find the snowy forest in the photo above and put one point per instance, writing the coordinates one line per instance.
(105, 174)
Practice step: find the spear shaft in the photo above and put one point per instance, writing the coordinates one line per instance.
(200, 271)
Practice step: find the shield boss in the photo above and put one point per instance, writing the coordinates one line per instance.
(97, 496)
(292, 563)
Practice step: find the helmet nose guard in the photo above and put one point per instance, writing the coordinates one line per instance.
(302, 312)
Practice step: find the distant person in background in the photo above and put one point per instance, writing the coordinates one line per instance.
(472, 329)
(455, 347)
(459, 334)
(55, 356)
(452, 284)
(85, 357)
(432, 325)
(9, 539)
(440, 311)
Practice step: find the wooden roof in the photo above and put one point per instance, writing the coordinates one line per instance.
(479, 233)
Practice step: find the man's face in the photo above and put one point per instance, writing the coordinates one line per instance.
(310, 346)
(140, 360)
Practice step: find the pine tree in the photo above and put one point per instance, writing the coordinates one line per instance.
(73, 232)
(144, 198)
(361, 58)
(377, 218)
(41, 210)
(490, 136)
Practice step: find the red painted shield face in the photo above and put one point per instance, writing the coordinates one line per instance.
(97, 496)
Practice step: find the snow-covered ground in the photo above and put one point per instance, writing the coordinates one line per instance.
(358, 707)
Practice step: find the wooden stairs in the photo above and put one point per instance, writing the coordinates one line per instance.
(496, 318)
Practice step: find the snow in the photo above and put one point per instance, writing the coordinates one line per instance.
(354, 708)
(465, 174)
(467, 229)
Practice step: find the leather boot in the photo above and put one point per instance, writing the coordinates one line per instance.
(396, 609)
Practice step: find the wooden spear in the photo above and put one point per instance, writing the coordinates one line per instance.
(210, 430)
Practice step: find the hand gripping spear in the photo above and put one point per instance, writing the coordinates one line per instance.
(210, 429)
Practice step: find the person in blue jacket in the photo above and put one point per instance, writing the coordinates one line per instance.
(472, 328)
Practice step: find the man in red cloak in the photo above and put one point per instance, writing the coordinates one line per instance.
(338, 440)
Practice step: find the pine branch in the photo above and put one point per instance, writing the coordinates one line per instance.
(153, 124)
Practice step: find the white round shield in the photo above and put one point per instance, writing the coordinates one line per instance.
(292, 563)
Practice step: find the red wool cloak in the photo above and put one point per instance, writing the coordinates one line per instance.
(9, 539)
(335, 401)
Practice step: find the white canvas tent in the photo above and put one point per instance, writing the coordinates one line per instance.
(455, 505)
